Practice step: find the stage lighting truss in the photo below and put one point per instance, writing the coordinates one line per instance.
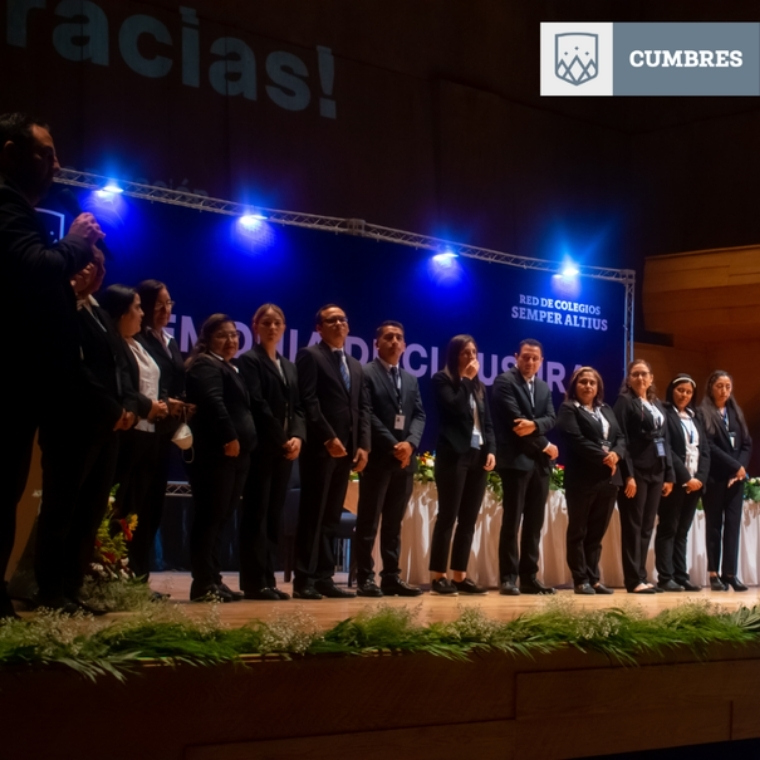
(360, 228)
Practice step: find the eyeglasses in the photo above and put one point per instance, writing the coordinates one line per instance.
(225, 336)
(334, 320)
(640, 374)
(165, 304)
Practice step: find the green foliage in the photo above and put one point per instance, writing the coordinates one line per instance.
(752, 489)
(161, 632)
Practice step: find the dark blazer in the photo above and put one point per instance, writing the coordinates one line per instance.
(223, 411)
(455, 417)
(725, 460)
(582, 436)
(678, 447)
(330, 410)
(511, 400)
(385, 407)
(274, 401)
(172, 381)
(135, 401)
(40, 296)
(171, 364)
(640, 430)
(106, 382)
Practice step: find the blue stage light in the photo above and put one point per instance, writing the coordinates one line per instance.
(445, 258)
(109, 190)
(252, 221)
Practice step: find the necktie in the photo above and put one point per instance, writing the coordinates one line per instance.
(343, 370)
(530, 391)
(396, 384)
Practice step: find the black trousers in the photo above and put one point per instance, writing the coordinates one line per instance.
(525, 493)
(589, 510)
(139, 461)
(324, 481)
(461, 483)
(263, 500)
(723, 515)
(675, 516)
(383, 491)
(78, 468)
(217, 483)
(637, 516)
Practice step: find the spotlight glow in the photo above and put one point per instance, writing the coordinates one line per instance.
(570, 270)
(445, 258)
(108, 191)
(251, 221)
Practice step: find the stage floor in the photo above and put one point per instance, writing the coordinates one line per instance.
(431, 608)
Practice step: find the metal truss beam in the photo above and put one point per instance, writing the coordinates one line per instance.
(360, 228)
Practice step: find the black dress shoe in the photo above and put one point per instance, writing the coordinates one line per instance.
(307, 592)
(331, 591)
(644, 589)
(716, 584)
(368, 588)
(443, 587)
(263, 594)
(534, 586)
(209, 593)
(600, 588)
(670, 586)
(508, 588)
(468, 586)
(281, 595)
(236, 596)
(397, 587)
(687, 585)
(57, 602)
(734, 582)
(584, 588)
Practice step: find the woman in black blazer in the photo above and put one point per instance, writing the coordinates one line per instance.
(163, 348)
(594, 444)
(691, 462)
(647, 470)
(276, 406)
(730, 450)
(464, 454)
(138, 451)
(223, 438)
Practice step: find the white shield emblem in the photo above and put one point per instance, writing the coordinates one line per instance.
(575, 58)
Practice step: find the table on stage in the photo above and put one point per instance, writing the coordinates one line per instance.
(483, 568)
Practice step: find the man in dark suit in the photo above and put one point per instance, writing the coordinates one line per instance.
(337, 411)
(41, 299)
(398, 420)
(523, 413)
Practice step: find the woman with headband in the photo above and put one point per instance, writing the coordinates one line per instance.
(730, 449)
(594, 444)
(690, 452)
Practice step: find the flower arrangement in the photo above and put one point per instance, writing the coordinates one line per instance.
(110, 560)
(425, 468)
(557, 478)
(752, 489)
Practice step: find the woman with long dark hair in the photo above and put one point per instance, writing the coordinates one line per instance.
(272, 384)
(223, 438)
(691, 462)
(138, 450)
(647, 470)
(464, 456)
(594, 445)
(730, 450)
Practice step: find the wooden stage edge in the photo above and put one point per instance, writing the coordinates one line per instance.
(559, 705)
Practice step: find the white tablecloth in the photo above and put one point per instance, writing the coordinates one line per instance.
(417, 531)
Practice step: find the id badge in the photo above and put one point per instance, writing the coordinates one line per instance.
(732, 438)
(605, 446)
(399, 422)
(660, 446)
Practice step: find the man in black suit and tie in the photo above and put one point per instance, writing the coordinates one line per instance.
(523, 413)
(40, 299)
(398, 420)
(337, 411)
